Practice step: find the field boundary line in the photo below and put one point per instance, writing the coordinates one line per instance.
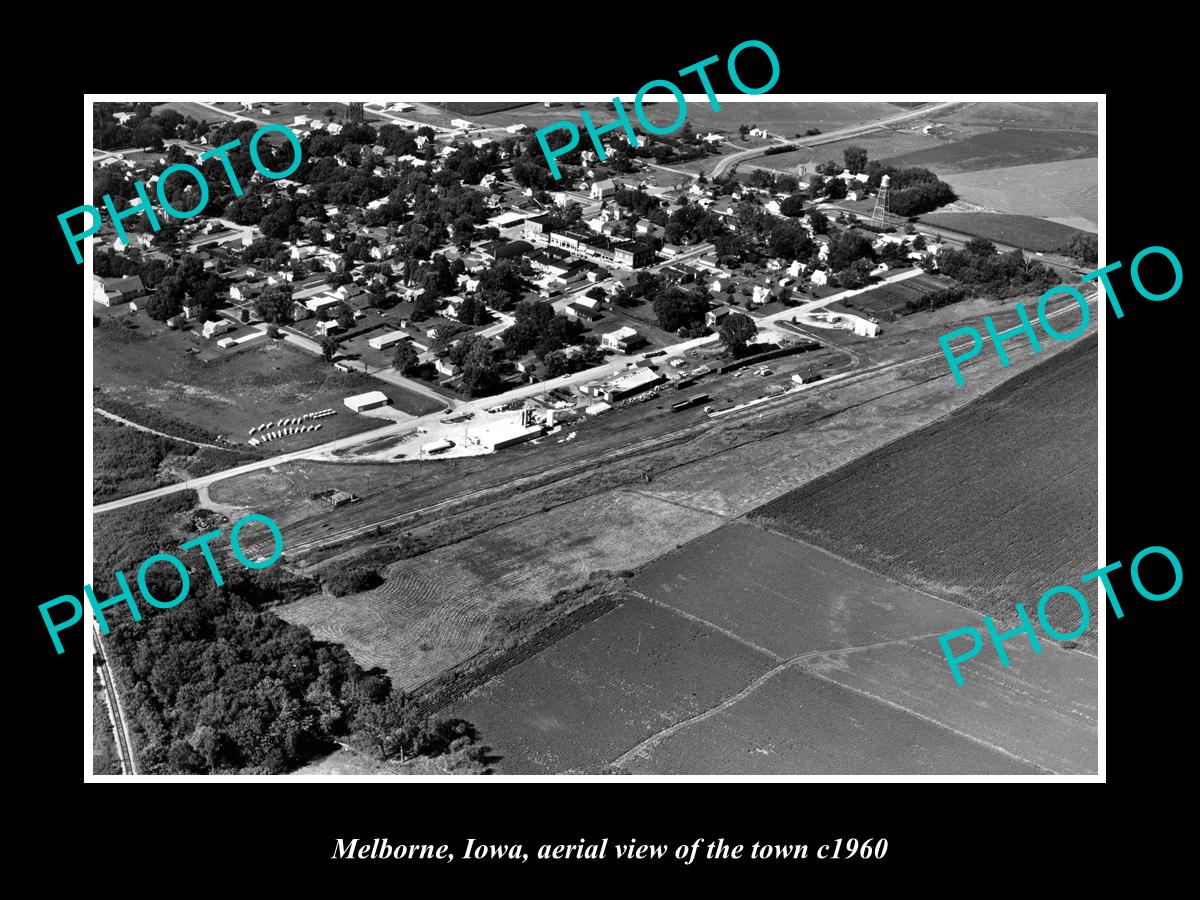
(680, 504)
(745, 692)
(714, 627)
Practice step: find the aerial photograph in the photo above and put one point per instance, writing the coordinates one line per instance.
(656, 468)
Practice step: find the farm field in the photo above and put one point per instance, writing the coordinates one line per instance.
(878, 144)
(1026, 232)
(786, 596)
(950, 508)
(890, 301)
(1065, 116)
(433, 611)
(584, 701)
(233, 392)
(998, 149)
(797, 724)
(1042, 708)
(1065, 190)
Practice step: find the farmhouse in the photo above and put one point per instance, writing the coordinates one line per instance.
(369, 400)
(219, 326)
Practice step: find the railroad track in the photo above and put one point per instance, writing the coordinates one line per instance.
(124, 744)
(565, 470)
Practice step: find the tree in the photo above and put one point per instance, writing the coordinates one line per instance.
(856, 159)
(792, 206)
(737, 331)
(856, 275)
(275, 303)
(405, 360)
(329, 347)
(819, 221)
(846, 247)
(1082, 248)
(345, 317)
(677, 308)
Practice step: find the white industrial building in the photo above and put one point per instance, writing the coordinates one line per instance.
(369, 400)
(384, 341)
(498, 435)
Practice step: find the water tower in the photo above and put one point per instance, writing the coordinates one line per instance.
(880, 216)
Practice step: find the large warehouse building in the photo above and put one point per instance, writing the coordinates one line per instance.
(498, 435)
(369, 400)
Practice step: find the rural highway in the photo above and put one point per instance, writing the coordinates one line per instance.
(124, 743)
(829, 137)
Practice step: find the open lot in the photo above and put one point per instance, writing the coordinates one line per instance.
(1060, 190)
(788, 597)
(994, 504)
(1026, 232)
(796, 724)
(151, 368)
(589, 698)
(434, 610)
(997, 149)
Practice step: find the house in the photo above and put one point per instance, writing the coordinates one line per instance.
(515, 129)
(819, 278)
(459, 123)
(326, 328)
(369, 400)
(714, 317)
(218, 326)
(580, 310)
(446, 367)
(603, 189)
(712, 138)
(175, 322)
(879, 269)
(623, 340)
(118, 290)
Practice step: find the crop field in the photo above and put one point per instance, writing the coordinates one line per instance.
(991, 505)
(879, 145)
(232, 393)
(889, 301)
(1042, 708)
(1071, 116)
(592, 696)
(1026, 232)
(997, 149)
(1060, 190)
(433, 611)
(798, 724)
(787, 597)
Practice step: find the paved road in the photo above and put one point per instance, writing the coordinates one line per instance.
(829, 137)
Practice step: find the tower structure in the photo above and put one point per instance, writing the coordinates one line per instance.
(880, 216)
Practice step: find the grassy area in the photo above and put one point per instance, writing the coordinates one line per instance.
(1026, 232)
(158, 374)
(996, 149)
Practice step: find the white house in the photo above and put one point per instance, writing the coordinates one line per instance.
(218, 326)
(819, 278)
